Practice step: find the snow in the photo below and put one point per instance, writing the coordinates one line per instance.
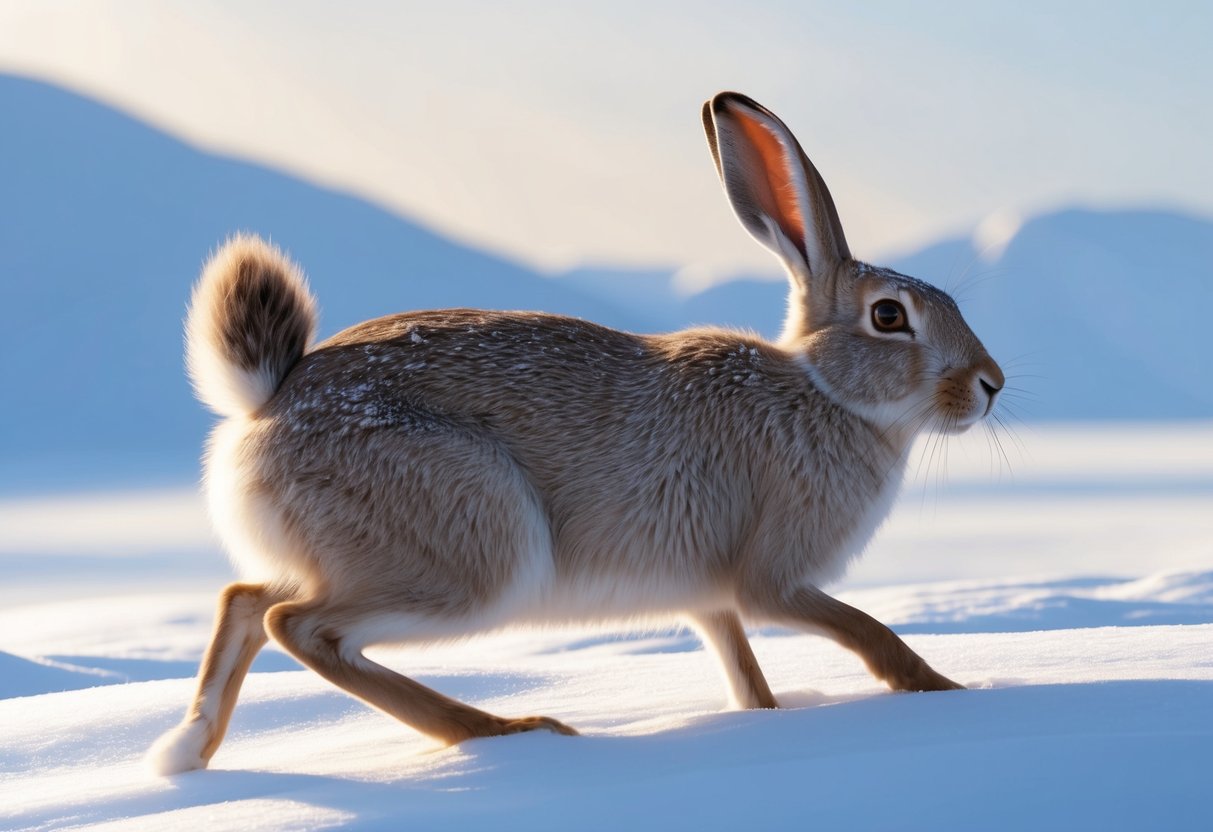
(1108, 725)
(1073, 596)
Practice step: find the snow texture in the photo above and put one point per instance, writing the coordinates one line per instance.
(1090, 701)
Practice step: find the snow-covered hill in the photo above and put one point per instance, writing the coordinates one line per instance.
(104, 222)
(1093, 308)
(1089, 311)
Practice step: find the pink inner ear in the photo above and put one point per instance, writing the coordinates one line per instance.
(779, 198)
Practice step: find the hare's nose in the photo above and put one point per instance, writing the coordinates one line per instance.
(992, 380)
(991, 394)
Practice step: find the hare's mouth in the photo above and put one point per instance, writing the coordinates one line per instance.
(958, 421)
(953, 426)
(963, 399)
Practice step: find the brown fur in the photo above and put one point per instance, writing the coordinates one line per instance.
(312, 633)
(428, 475)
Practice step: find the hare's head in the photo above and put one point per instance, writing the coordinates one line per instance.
(889, 347)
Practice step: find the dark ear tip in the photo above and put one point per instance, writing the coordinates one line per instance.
(723, 100)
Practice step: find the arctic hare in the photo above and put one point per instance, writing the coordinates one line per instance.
(433, 474)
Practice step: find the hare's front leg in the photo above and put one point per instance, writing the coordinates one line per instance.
(886, 655)
(318, 633)
(238, 637)
(723, 634)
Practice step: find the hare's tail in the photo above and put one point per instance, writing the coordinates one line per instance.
(251, 318)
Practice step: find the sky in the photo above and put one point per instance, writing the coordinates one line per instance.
(563, 135)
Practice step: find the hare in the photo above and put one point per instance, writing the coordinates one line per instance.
(429, 475)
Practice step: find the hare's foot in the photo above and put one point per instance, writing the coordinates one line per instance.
(923, 678)
(313, 633)
(886, 656)
(535, 723)
(238, 636)
(183, 748)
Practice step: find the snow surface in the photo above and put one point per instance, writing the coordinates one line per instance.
(1073, 597)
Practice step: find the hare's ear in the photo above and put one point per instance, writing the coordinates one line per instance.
(773, 187)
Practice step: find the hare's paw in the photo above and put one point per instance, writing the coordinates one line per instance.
(180, 749)
(923, 679)
(536, 723)
(940, 682)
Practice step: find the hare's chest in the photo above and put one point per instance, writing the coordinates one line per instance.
(841, 514)
(866, 521)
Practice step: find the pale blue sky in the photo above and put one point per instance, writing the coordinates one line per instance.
(568, 133)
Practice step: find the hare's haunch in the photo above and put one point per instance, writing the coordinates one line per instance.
(434, 474)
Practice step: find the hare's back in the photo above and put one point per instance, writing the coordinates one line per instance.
(632, 443)
(508, 374)
(522, 374)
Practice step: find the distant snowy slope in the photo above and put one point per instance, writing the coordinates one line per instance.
(758, 305)
(28, 677)
(1094, 314)
(1100, 312)
(648, 294)
(104, 223)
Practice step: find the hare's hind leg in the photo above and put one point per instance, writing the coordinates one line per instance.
(723, 634)
(318, 634)
(239, 635)
(886, 656)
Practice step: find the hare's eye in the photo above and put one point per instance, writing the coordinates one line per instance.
(889, 316)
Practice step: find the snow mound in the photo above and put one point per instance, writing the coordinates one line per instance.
(28, 677)
(1102, 728)
(1058, 604)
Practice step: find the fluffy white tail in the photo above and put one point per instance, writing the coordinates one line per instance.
(251, 318)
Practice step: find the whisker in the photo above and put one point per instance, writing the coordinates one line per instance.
(1013, 435)
(977, 280)
(1012, 408)
(1022, 356)
(959, 284)
(992, 456)
(1001, 449)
